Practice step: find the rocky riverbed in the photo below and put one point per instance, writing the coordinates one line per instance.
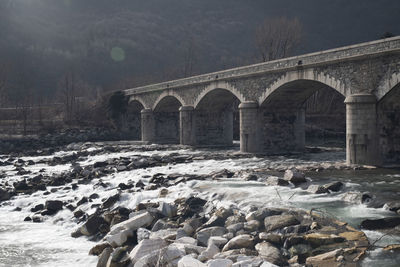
(121, 204)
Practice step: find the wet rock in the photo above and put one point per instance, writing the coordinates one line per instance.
(82, 201)
(37, 219)
(241, 241)
(383, 223)
(250, 177)
(222, 174)
(92, 225)
(110, 201)
(279, 221)
(118, 258)
(78, 213)
(38, 207)
(189, 261)
(27, 219)
(146, 247)
(4, 195)
(295, 176)
(203, 235)
(325, 259)
(260, 214)
(104, 256)
(270, 253)
(168, 210)
(392, 206)
(220, 263)
(100, 164)
(319, 239)
(334, 186)
(317, 189)
(53, 206)
(99, 248)
(274, 181)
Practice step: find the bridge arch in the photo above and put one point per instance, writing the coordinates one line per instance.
(387, 85)
(388, 116)
(301, 103)
(133, 119)
(137, 100)
(219, 86)
(169, 94)
(309, 75)
(166, 118)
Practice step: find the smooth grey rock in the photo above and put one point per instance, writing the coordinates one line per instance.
(209, 253)
(164, 234)
(203, 235)
(279, 221)
(146, 247)
(270, 253)
(317, 189)
(188, 261)
(218, 241)
(187, 240)
(241, 241)
(295, 176)
(220, 263)
(167, 209)
(103, 258)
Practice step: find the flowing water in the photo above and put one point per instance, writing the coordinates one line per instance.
(49, 243)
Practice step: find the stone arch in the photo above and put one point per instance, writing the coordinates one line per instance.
(309, 75)
(138, 99)
(133, 119)
(169, 93)
(218, 85)
(387, 85)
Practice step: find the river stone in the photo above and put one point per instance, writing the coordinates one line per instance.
(295, 176)
(220, 263)
(269, 253)
(252, 226)
(334, 186)
(301, 250)
(119, 238)
(203, 235)
(392, 206)
(268, 264)
(235, 227)
(92, 225)
(4, 195)
(134, 223)
(189, 261)
(190, 249)
(235, 219)
(104, 256)
(217, 240)
(171, 255)
(143, 233)
(164, 234)
(187, 240)
(209, 253)
(118, 258)
(145, 247)
(273, 180)
(54, 205)
(99, 248)
(317, 189)
(260, 214)
(241, 241)
(325, 259)
(270, 238)
(318, 239)
(168, 210)
(279, 221)
(383, 223)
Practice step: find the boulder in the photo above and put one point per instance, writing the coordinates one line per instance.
(118, 258)
(170, 256)
(317, 189)
(92, 225)
(274, 181)
(279, 221)
(146, 247)
(270, 253)
(217, 240)
(260, 214)
(209, 253)
(241, 241)
(220, 263)
(203, 235)
(99, 248)
(218, 218)
(168, 210)
(295, 176)
(140, 220)
(392, 206)
(383, 223)
(104, 256)
(334, 186)
(187, 240)
(325, 259)
(119, 238)
(164, 234)
(54, 205)
(143, 233)
(4, 195)
(189, 261)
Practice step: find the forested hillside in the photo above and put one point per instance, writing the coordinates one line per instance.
(117, 44)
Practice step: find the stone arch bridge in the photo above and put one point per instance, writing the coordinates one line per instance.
(270, 96)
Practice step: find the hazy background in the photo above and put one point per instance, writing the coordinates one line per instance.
(41, 41)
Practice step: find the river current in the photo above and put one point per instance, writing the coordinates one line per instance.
(49, 243)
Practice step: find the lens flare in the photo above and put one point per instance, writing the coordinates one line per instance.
(117, 54)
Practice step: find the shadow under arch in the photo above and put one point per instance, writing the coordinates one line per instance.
(217, 118)
(298, 108)
(388, 111)
(166, 119)
(134, 127)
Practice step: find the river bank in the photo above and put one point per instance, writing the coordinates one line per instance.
(92, 189)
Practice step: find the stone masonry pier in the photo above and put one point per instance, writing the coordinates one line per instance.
(269, 98)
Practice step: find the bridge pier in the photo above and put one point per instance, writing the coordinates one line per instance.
(361, 130)
(187, 125)
(249, 127)
(148, 125)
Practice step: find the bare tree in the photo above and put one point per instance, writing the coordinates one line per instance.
(189, 57)
(67, 86)
(278, 37)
